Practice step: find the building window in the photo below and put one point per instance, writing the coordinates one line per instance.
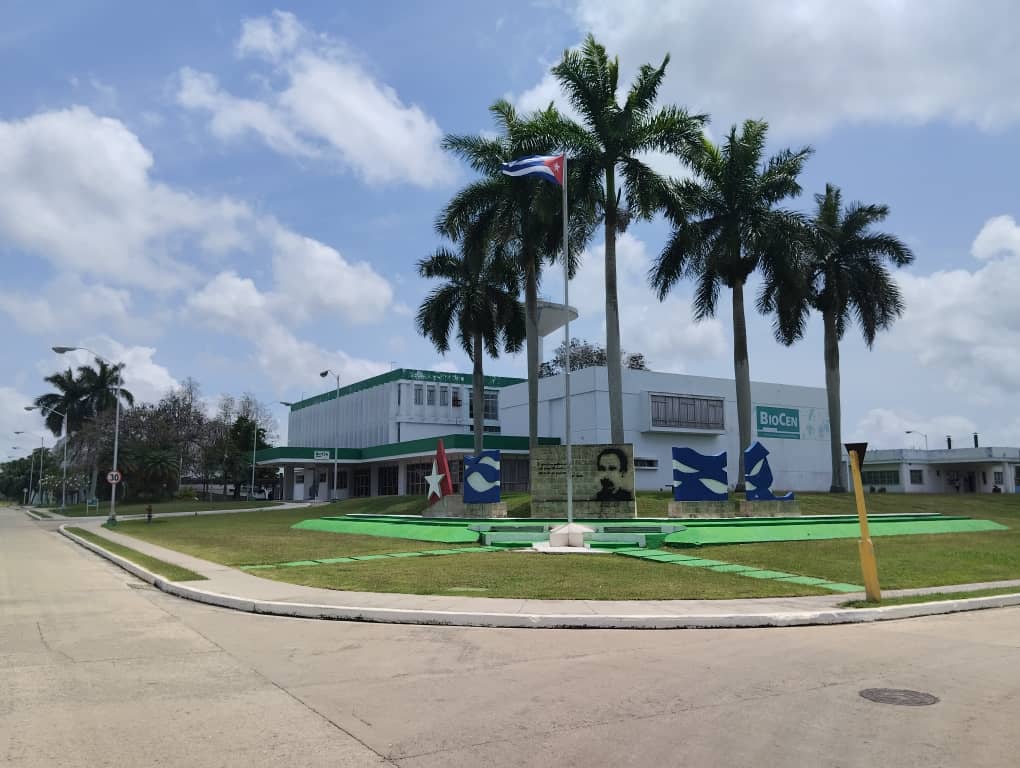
(490, 406)
(513, 473)
(430, 396)
(322, 477)
(415, 478)
(881, 477)
(645, 463)
(444, 396)
(341, 480)
(456, 397)
(493, 428)
(299, 479)
(456, 473)
(984, 478)
(997, 478)
(362, 482)
(687, 412)
(917, 477)
(388, 480)
(419, 394)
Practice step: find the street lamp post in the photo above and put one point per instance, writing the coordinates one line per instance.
(922, 434)
(31, 471)
(336, 430)
(67, 438)
(112, 519)
(42, 455)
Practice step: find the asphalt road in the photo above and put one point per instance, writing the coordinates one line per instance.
(97, 669)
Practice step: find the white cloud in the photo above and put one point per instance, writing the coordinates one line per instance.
(228, 301)
(963, 323)
(68, 303)
(76, 189)
(664, 332)
(330, 106)
(312, 278)
(144, 378)
(887, 428)
(1000, 235)
(269, 36)
(233, 117)
(809, 65)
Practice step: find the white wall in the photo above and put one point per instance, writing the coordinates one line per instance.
(800, 464)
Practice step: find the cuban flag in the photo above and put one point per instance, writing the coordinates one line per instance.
(548, 167)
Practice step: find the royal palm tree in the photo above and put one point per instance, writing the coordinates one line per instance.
(520, 217)
(69, 398)
(726, 227)
(102, 386)
(478, 302)
(613, 139)
(846, 278)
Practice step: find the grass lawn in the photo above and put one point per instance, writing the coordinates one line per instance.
(78, 510)
(524, 576)
(903, 561)
(160, 567)
(266, 537)
(932, 598)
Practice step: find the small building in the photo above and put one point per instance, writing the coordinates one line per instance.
(947, 470)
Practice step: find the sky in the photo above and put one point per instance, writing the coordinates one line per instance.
(238, 192)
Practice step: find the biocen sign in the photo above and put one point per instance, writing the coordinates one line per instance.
(778, 422)
(320, 455)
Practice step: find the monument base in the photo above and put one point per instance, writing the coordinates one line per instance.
(692, 510)
(570, 535)
(701, 509)
(454, 506)
(584, 510)
(768, 508)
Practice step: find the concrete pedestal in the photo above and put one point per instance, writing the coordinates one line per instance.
(570, 535)
(454, 506)
(692, 510)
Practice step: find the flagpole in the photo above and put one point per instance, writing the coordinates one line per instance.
(566, 332)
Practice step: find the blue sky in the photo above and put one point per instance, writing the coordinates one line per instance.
(237, 192)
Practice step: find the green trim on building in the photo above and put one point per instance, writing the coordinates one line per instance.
(459, 442)
(402, 374)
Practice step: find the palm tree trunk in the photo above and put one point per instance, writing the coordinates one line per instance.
(613, 362)
(832, 397)
(742, 377)
(531, 333)
(477, 393)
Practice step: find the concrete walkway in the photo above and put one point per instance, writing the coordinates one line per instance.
(232, 588)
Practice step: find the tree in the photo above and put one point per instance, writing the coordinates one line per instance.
(521, 218)
(479, 298)
(726, 226)
(845, 279)
(614, 138)
(585, 354)
(69, 398)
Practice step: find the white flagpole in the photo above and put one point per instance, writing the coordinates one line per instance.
(566, 335)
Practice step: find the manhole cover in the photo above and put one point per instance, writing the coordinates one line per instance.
(903, 698)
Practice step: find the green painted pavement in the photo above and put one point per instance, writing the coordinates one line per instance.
(360, 558)
(659, 556)
(792, 529)
(393, 528)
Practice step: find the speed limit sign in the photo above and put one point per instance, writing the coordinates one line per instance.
(113, 477)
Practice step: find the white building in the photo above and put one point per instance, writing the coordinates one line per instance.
(662, 410)
(949, 470)
(383, 432)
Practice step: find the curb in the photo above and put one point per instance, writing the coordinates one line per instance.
(550, 621)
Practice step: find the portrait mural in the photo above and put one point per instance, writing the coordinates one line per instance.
(611, 466)
(602, 479)
(481, 478)
(699, 476)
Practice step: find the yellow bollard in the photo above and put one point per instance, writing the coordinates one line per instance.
(869, 566)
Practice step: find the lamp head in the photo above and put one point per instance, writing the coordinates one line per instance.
(325, 373)
(62, 350)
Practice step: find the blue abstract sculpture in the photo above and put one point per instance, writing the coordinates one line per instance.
(481, 478)
(699, 477)
(758, 475)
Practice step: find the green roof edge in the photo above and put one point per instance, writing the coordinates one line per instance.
(399, 374)
(457, 442)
